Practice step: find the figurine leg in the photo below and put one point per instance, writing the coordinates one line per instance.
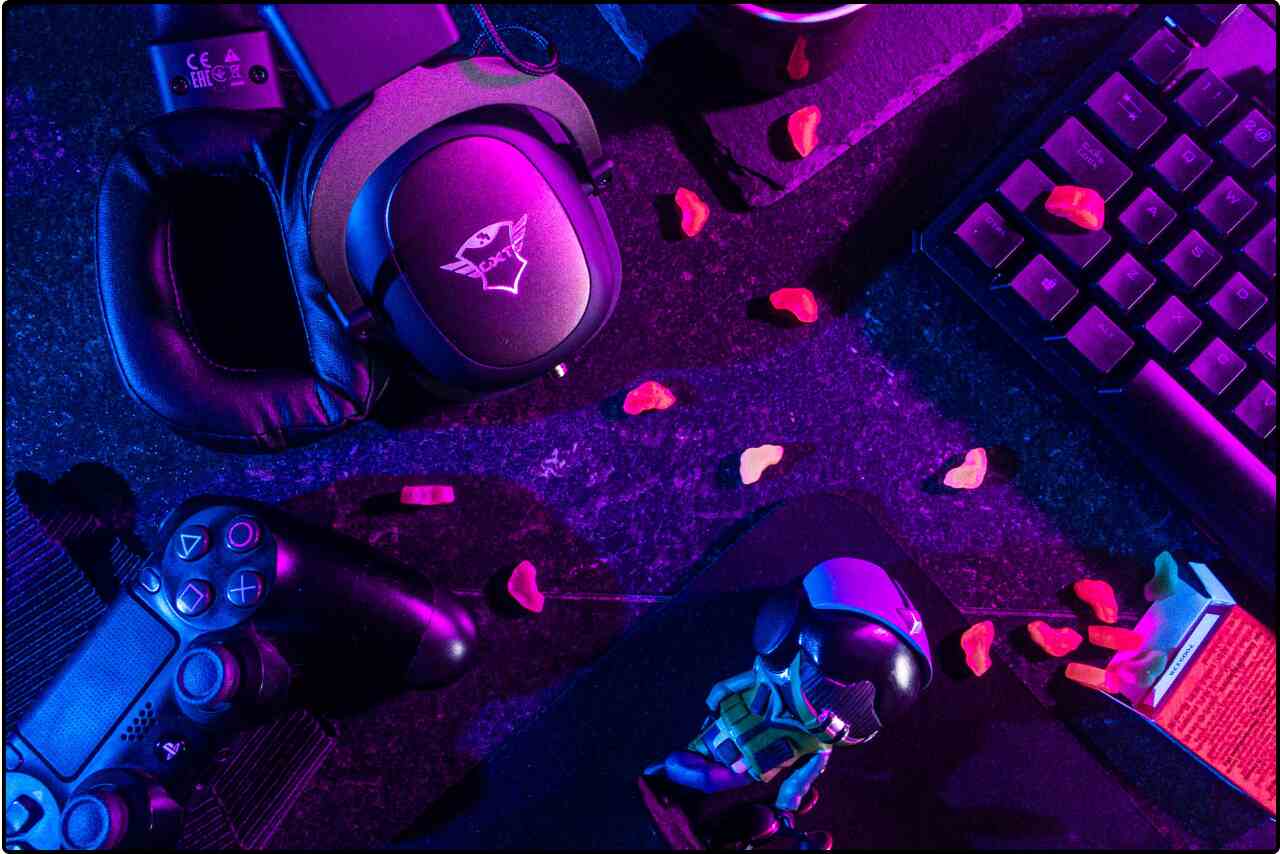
(695, 771)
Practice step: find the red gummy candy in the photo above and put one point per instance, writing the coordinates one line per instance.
(649, 395)
(1056, 642)
(1080, 205)
(799, 301)
(1088, 675)
(523, 587)
(976, 643)
(1112, 637)
(694, 212)
(1099, 596)
(970, 473)
(802, 127)
(798, 63)
(426, 495)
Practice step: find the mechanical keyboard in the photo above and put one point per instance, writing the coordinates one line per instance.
(1163, 321)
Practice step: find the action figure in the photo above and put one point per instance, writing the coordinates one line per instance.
(837, 656)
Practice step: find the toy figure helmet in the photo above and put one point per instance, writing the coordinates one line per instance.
(849, 645)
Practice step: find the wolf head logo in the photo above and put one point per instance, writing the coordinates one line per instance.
(492, 255)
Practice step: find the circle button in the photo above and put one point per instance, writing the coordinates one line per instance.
(191, 542)
(194, 598)
(246, 588)
(243, 534)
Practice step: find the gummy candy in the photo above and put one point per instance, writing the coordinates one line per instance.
(1165, 582)
(802, 127)
(1080, 205)
(523, 587)
(754, 461)
(694, 212)
(649, 395)
(798, 301)
(1056, 642)
(976, 643)
(798, 63)
(1099, 596)
(1139, 672)
(970, 473)
(1112, 637)
(426, 495)
(1088, 675)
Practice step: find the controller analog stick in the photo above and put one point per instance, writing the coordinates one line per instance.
(208, 676)
(95, 820)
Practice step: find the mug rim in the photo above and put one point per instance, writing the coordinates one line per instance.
(781, 16)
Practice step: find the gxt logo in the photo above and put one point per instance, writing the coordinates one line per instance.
(492, 255)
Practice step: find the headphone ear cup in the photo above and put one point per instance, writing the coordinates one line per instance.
(778, 624)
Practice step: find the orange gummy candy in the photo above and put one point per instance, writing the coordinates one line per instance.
(970, 473)
(1099, 596)
(1113, 637)
(754, 461)
(1056, 642)
(1080, 205)
(694, 212)
(649, 395)
(1088, 675)
(976, 643)
(523, 587)
(799, 301)
(802, 127)
(426, 495)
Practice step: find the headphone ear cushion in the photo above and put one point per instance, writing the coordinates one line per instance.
(165, 365)
(778, 625)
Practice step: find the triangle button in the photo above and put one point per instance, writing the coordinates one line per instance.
(192, 542)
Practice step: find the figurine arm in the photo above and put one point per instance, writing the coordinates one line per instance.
(725, 687)
(793, 789)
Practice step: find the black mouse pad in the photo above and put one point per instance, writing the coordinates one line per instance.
(977, 763)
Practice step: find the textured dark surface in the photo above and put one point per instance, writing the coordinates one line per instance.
(896, 380)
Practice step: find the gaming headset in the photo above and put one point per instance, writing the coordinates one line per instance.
(259, 270)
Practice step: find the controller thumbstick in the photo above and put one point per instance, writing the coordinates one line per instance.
(207, 676)
(95, 820)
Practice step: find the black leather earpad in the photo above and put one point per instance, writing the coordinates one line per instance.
(151, 295)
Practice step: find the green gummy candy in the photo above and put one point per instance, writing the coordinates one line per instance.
(1164, 582)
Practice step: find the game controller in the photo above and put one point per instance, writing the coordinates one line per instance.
(235, 603)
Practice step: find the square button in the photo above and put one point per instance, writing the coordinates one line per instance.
(989, 236)
(1252, 140)
(1261, 249)
(1258, 410)
(1237, 302)
(1160, 56)
(1226, 205)
(1217, 367)
(1044, 288)
(1182, 163)
(1096, 337)
(1147, 217)
(1172, 325)
(1192, 259)
(1127, 282)
(1124, 111)
(1026, 185)
(1206, 98)
(1082, 156)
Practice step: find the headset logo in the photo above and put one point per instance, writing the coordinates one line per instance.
(492, 255)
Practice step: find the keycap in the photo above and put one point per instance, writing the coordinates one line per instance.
(1147, 217)
(1265, 346)
(1096, 337)
(1257, 410)
(1270, 186)
(1216, 367)
(1172, 325)
(1192, 259)
(1127, 282)
(1044, 288)
(989, 236)
(1237, 302)
(1261, 249)
(1125, 112)
(1182, 164)
(1080, 245)
(1206, 98)
(1089, 163)
(1251, 141)
(1160, 56)
(1226, 205)
(1026, 186)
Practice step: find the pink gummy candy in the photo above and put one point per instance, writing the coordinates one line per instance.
(649, 395)
(754, 461)
(976, 643)
(970, 473)
(426, 494)
(799, 301)
(523, 587)
(1099, 596)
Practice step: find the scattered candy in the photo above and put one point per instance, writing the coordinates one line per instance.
(523, 587)
(649, 395)
(976, 643)
(1099, 596)
(1113, 637)
(1138, 673)
(1080, 205)
(1165, 582)
(1056, 642)
(1087, 675)
(802, 127)
(426, 495)
(694, 212)
(754, 461)
(798, 63)
(799, 301)
(970, 473)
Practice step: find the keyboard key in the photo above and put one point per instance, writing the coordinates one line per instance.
(1026, 186)
(1206, 98)
(1226, 206)
(1096, 337)
(1085, 159)
(1127, 282)
(1266, 346)
(1258, 410)
(1125, 112)
(1183, 163)
(1216, 367)
(1261, 249)
(1192, 259)
(1173, 325)
(1043, 288)
(1161, 56)
(1270, 186)
(1148, 217)
(989, 236)
(1251, 141)
(1237, 302)
(1080, 245)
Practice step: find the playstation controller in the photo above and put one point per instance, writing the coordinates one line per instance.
(216, 629)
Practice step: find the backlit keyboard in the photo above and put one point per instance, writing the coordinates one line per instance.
(1163, 322)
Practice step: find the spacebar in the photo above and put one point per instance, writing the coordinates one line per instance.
(1235, 492)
